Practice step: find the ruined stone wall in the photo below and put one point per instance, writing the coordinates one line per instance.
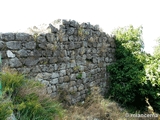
(72, 58)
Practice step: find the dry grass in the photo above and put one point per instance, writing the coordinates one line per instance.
(95, 107)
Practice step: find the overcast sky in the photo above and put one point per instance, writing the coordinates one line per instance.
(18, 15)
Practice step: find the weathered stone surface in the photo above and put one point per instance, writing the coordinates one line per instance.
(36, 69)
(73, 23)
(56, 58)
(10, 54)
(64, 86)
(14, 62)
(83, 75)
(62, 66)
(62, 72)
(54, 81)
(70, 31)
(65, 22)
(61, 79)
(73, 64)
(71, 38)
(8, 36)
(50, 37)
(84, 25)
(94, 60)
(47, 76)
(72, 77)
(53, 60)
(41, 38)
(71, 89)
(107, 59)
(84, 44)
(30, 45)
(89, 56)
(55, 75)
(55, 66)
(23, 36)
(13, 45)
(39, 77)
(65, 38)
(91, 84)
(53, 29)
(81, 87)
(53, 88)
(49, 90)
(66, 79)
(24, 70)
(30, 61)
(22, 53)
(71, 45)
(42, 46)
(2, 45)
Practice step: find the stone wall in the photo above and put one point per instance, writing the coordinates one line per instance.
(72, 58)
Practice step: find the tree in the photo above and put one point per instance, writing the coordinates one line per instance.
(135, 75)
(156, 52)
(127, 72)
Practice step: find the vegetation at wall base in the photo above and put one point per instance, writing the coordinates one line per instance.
(135, 75)
(27, 99)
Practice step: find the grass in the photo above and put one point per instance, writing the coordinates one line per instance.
(95, 107)
(27, 99)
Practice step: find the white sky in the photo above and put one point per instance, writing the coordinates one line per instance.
(18, 15)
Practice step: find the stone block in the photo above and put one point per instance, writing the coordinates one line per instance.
(71, 46)
(73, 77)
(62, 72)
(10, 54)
(53, 88)
(14, 45)
(23, 36)
(54, 81)
(31, 61)
(30, 45)
(46, 83)
(49, 90)
(72, 83)
(81, 87)
(2, 45)
(15, 62)
(66, 79)
(55, 75)
(8, 36)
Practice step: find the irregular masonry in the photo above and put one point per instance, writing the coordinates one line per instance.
(72, 58)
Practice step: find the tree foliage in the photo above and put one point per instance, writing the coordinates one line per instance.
(135, 74)
(157, 49)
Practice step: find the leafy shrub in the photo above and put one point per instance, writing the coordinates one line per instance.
(6, 108)
(135, 74)
(156, 52)
(127, 72)
(151, 83)
(11, 82)
(29, 99)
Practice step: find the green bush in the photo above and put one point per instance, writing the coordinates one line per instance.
(151, 83)
(135, 74)
(11, 82)
(29, 100)
(6, 108)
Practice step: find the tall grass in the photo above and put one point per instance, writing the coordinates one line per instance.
(27, 99)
